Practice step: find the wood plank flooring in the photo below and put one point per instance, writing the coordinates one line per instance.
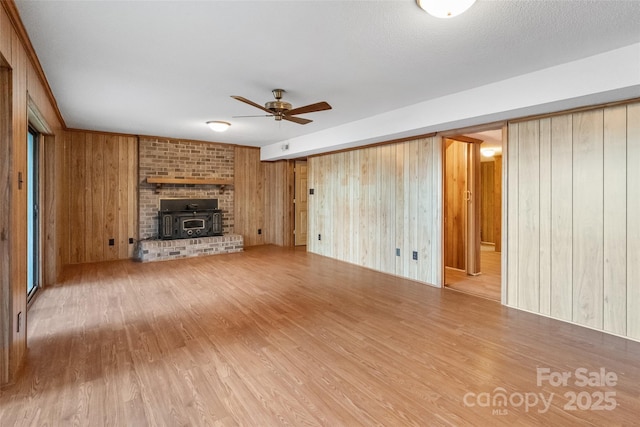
(275, 336)
(487, 284)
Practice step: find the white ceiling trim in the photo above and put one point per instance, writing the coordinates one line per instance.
(607, 77)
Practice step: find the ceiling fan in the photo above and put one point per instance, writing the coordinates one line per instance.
(281, 110)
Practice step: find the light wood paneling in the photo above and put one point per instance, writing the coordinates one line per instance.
(545, 216)
(387, 186)
(615, 220)
(415, 164)
(529, 215)
(588, 239)
(399, 207)
(370, 202)
(425, 198)
(103, 196)
(577, 192)
(561, 217)
(633, 224)
(512, 215)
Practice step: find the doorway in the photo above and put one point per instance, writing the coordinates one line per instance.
(472, 213)
(33, 217)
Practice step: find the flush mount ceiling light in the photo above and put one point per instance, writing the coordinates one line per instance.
(488, 152)
(218, 126)
(445, 8)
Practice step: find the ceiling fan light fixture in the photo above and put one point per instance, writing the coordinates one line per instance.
(445, 8)
(218, 126)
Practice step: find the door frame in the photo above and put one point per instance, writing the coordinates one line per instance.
(37, 122)
(503, 125)
(471, 230)
(34, 229)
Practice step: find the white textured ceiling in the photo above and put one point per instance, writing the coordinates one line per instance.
(166, 67)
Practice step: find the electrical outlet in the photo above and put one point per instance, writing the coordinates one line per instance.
(311, 191)
(112, 242)
(319, 237)
(259, 230)
(130, 240)
(415, 255)
(397, 251)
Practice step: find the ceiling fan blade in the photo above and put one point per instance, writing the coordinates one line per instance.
(318, 106)
(253, 104)
(298, 120)
(259, 115)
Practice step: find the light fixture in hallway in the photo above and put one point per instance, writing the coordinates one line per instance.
(445, 8)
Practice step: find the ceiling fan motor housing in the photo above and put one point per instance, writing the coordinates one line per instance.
(278, 107)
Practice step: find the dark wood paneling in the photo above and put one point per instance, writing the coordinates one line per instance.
(497, 203)
(278, 203)
(263, 199)
(103, 196)
(455, 204)
(487, 205)
(5, 195)
(249, 195)
(18, 203)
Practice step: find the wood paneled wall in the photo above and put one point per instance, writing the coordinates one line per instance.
(368, 203)
(278, 203)
(491, 205)
(497, 203)
(455, 204)
(488, 201)
(5, 249)
(103, 196)
(263, 199)
(249, 195)
(573, 209)
(24, 82)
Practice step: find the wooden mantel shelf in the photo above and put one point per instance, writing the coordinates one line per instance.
(160, 181)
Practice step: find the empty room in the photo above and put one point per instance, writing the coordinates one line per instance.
(332, 213)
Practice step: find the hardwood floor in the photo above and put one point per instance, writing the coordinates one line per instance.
(487, 284)
(276, 336)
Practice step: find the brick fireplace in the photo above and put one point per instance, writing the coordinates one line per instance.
(166, 158)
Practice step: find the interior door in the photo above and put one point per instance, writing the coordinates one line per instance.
(301, 203)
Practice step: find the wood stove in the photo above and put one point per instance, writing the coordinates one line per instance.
(189, 218)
